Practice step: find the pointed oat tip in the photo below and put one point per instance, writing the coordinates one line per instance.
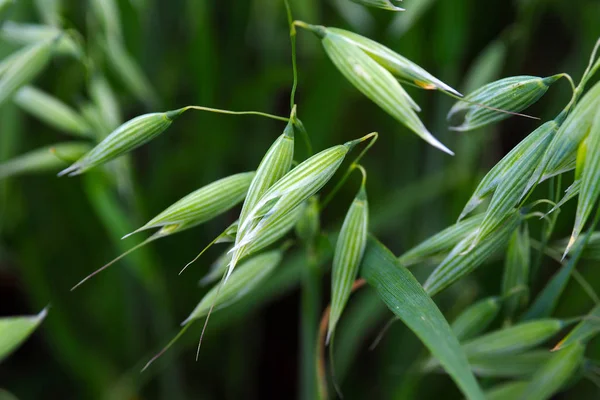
(71, 170)
(558, 346)
(568, 248)
(437, 144)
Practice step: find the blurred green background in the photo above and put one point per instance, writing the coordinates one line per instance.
(236, 55)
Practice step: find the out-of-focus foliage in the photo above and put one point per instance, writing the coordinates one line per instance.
(144, 54)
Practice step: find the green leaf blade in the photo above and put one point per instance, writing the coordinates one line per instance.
(405, 297)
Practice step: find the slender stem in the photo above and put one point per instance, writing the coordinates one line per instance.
(293, 43)
(556, 256)
(321, 343)
(555, 191)
(219, 111)
(373, 136)
(309, 320)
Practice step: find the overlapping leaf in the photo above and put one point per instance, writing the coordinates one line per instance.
(405, 297)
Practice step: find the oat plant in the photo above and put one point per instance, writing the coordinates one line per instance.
(293, 215)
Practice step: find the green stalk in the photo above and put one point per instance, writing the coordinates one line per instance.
(309, 324)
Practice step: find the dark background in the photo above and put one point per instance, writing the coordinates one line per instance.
(236, 55)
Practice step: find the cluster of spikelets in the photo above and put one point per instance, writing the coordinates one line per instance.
(277, 197)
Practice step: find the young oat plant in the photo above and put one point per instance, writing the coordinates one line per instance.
(281, 204)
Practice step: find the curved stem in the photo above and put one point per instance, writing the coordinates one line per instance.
(352, 167)
(219, 111)
(293, 43)
(592, 67)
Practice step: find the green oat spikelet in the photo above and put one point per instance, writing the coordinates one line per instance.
(374, 81)
(348, 254)
(23, 68)
(131, 135)
(514, 339)
(389, 5)
(476, 318)
(461, 262)
(286, 194)
(52, 111)
(511, 94)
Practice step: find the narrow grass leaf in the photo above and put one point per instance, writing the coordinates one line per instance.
(247, 277)
(583, 331)
(515, 338)
(14, 331)
(590, 182)
(52, 111)
(129, 72)
(107, 14)
(46, 159)
(29, 34)
(390, 5)
(375, 82)
(512, 94)
(405, 297)
(24, 68)
(49, 11)
(442, 242)
(458, 264)
(549, 379)
(476, 318)
(131, 135)
(348, 253)
(202, 204)
(506, 391)
(399, 66)
(516, 272)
